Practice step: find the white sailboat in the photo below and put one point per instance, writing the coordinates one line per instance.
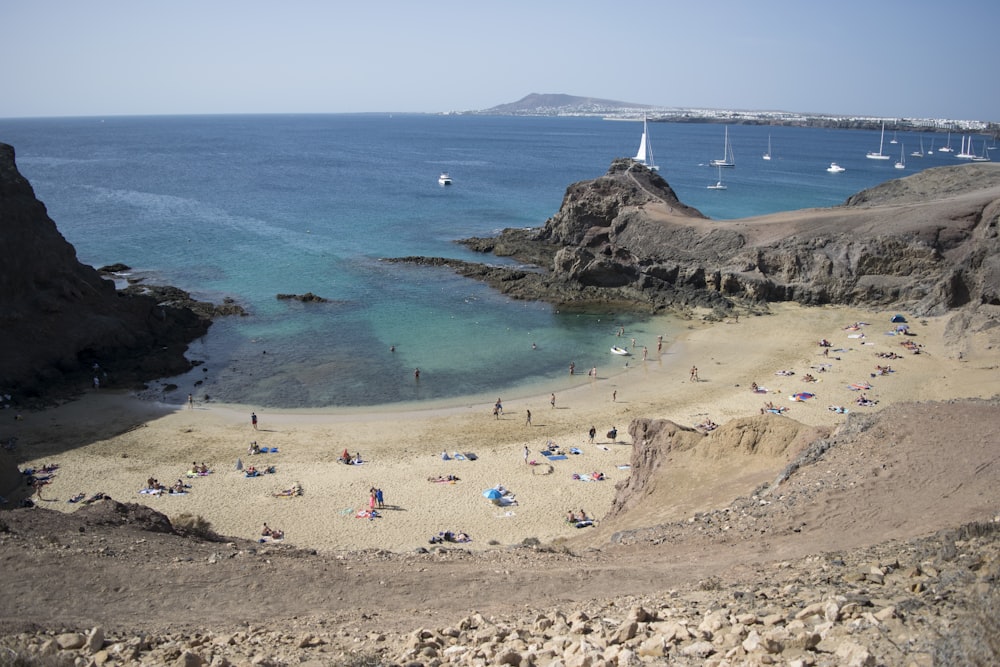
(719, 185)
(644, 155)
(966, 152)
(880, 155)
(894, 138)
(947, 147)
(728, 159)
(767, 155)
(902, 159)
(985, 157)
(919, 153)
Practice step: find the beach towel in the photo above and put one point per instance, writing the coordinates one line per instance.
(583, 524)
(575, 450)
(625, 466)
(777, 411)
(458, 456)
(471, 456)
(556, 457)
(760, 390)
(858, 386)
(801, 396)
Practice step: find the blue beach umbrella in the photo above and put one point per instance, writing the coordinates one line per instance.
(492, 494)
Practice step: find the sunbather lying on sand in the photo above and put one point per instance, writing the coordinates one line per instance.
(294, 490)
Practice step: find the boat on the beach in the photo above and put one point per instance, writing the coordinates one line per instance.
(644, 155)
(444, 179)
(728, 159)
(880, 155)
(620, 351)
(835, 168)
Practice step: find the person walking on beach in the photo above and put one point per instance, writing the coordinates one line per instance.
(694, 374)
(190, 402)
(499, 406)
(592, 433)
(496, 412)
(552, 401)
(527, 453)
(614, 396)
(645, 353)
(527, 421)
(572, 367)
(253, 420)
(379, 498)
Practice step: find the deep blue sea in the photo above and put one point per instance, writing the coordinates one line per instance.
(252, 206)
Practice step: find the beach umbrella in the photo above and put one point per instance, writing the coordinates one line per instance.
(492, 494)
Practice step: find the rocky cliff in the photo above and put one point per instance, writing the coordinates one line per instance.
(59, 317)
(928, 242)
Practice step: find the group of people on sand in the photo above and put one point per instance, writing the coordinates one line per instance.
(154, 486)
(271, 533)
(578, 519)
(199, 468)
(346, 458)
(449, 536)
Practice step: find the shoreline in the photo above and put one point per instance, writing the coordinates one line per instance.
(112, 444)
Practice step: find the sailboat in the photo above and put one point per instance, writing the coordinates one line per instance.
(880, 155)
(966, 152)
(728, 159)
(985, 157)
(947, 147)
(645, 154)
(919, 153)
(902, 160)
(719, 185)
(767, 155)
(894, 138)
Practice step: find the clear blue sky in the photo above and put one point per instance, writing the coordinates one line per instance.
(890, 58)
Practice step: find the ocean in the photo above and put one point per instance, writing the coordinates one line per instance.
(252, 206)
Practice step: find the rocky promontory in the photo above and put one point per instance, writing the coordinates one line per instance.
(61, 322)
(928, 242)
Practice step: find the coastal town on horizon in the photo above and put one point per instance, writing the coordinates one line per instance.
(536, 104)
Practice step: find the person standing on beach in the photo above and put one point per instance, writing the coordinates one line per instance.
(694, 374)
(592, 433)
(527, 453)
(614, 396)
(499, 406)
(552, 401)
(645, 353)
(527, 421)
(379, 498)
(572, 367)
(253, 420)
(190, 402)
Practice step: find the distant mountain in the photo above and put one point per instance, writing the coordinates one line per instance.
(537, 104)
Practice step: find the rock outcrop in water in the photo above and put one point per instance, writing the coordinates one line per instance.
(928, 242)
(59, 317)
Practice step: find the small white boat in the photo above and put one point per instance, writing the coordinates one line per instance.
(727, 159)
(645, 154)
(719, 185)
(947, 147)
(444, 179)
(880, 155)
(835, 168)
(902, 158)
(619, 351)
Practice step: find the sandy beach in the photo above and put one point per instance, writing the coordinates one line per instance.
(112, 443)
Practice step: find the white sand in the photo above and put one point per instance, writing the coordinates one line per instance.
(112, 443)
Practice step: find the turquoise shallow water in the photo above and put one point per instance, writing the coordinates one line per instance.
(252, 206)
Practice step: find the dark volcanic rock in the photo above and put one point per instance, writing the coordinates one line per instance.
(59, 317)
(308, 297)
(928, 242)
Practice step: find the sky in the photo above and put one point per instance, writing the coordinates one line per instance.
(881, 58)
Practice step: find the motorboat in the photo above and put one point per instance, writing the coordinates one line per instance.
(835, 168)
(444, 179)
(620, 351)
